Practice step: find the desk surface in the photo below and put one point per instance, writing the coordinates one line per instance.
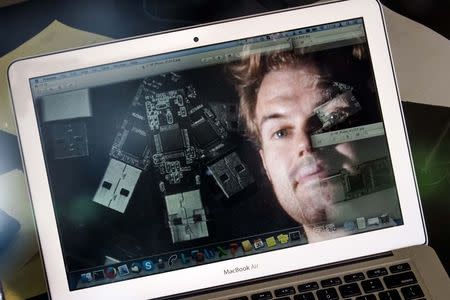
(129, 18)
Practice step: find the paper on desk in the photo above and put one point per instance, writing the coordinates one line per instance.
(55, 36)
(421, 59)
(13, 192)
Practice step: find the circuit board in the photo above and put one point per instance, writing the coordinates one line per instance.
(340, 104)
(168, 132)
(167, 102)
(131, 144)
(369, 177)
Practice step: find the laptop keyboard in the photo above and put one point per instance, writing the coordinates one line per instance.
(397, 282)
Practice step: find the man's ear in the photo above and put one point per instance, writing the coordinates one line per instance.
(261, 154)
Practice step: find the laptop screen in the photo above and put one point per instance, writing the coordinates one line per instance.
(213, 153)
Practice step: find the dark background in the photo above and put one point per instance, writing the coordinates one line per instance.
(427, 125)
(120, 19)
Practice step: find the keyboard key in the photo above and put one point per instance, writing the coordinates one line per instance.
(285, 291)
(366, 297)
(354, 277)
(284, 298)
(262, 296)
(400, 268)
(240, 298)
(401, 279)
(331, 282)
(389, 295)
(372, 285)
(306, 287)
(305, 296)
(412, 292)
(377, 272)
(327, 294)
(349, 290)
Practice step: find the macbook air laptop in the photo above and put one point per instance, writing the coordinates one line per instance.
(259, 158)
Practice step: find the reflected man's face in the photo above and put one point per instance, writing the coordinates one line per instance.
(285, 103)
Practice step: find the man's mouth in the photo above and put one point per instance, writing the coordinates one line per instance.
(309, 170)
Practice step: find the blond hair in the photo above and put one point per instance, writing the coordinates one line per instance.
(248, 75)
(249, 72)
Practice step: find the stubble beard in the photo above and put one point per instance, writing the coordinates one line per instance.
(307, 204)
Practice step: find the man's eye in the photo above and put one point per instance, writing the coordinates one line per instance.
(280, 133)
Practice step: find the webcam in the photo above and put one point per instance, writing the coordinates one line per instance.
(195, 39)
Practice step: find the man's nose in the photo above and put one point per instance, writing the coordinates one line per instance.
(303, 143)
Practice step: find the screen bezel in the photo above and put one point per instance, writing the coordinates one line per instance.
(269, 263)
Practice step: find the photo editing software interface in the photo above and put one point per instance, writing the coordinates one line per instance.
(172, 161)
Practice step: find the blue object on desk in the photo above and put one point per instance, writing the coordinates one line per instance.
(9, 153)
(9, 227)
